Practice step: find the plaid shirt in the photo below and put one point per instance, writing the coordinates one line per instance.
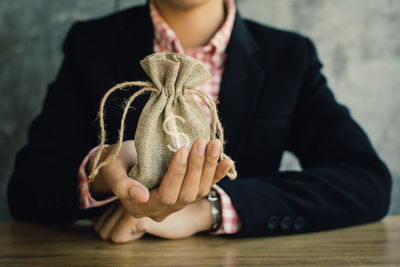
(213, 57)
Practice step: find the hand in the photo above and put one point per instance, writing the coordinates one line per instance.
(188, 179)
(119, 226)
(110, 174)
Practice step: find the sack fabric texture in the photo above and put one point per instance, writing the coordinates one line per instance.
(171, 118)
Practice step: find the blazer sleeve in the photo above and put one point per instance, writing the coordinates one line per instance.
(44, 184)
(342, 182)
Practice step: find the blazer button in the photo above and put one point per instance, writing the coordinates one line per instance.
(298, 223)
(286, 223)
(272, 222)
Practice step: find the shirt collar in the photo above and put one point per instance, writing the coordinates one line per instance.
(167, 40)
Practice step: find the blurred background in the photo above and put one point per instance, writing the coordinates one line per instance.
(358, 41)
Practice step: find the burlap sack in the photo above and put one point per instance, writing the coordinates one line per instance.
(170, 119)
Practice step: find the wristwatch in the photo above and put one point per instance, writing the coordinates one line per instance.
(216, 211)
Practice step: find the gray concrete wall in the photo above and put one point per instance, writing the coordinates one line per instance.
(357, 40)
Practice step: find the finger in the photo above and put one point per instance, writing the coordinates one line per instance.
(100, 221)
(111, 222)
(190, 185)
(171, 184)
(127, 229)
(123, 186)
(222, 170)
(210, 164)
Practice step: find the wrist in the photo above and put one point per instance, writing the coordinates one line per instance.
(206, 220)
(215, 209)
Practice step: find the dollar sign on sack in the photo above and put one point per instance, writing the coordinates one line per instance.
(169, 126)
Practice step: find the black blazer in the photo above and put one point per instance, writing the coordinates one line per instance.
(273, 98)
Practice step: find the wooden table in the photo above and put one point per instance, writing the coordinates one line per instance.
(375, 244)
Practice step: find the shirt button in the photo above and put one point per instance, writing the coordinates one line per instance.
(272, 222)
(286, 223)
(298, 223)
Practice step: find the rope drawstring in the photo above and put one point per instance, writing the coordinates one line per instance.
(216, 127)
(96, 166)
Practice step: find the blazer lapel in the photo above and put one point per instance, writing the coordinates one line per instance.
(241, 83)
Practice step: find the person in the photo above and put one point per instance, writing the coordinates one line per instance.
(272, 97)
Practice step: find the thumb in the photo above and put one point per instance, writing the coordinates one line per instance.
(128, 188)
(123, 186)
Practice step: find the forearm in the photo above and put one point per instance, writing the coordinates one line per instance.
(203, 212)
(192, 219)
(44, 193)
(325, 197)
